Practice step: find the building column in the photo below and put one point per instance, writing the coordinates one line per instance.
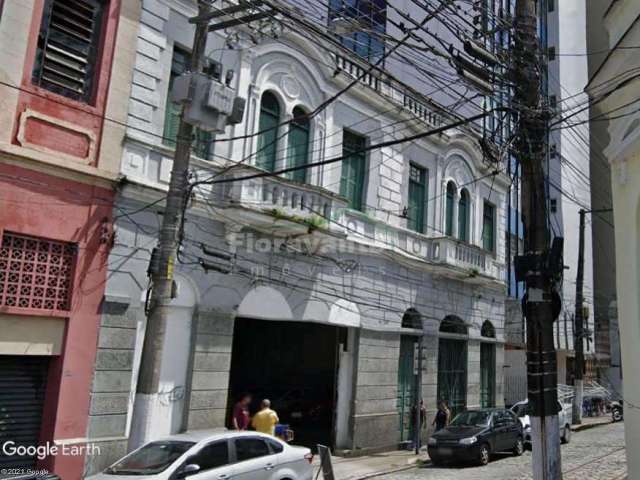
(473, 373)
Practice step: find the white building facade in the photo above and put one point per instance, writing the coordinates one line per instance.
(309, 289)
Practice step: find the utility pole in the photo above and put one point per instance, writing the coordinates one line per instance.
(148, 386)
(210, 104)
(539, 262)
(576, 415)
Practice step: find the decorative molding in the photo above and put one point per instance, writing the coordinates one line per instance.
(60, 124)
(290, 86)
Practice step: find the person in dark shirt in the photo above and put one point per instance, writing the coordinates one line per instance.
(240, 418)
(442, 416)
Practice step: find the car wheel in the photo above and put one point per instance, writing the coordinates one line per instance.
(617, 415)
(436, 462)
(518, 449)
(484, 454)
(566, 434)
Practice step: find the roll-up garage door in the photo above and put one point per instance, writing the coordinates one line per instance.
(22, 389)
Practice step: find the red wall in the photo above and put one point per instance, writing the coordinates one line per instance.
(44, 206)
(88, 116)
(41, 205)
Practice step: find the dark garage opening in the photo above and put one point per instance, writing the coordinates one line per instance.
(294, 365)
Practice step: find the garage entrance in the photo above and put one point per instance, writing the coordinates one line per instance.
(22, 391)
(293, 364)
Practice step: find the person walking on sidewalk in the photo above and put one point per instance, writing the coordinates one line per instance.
(240, 417)
(266, 419)
(442, 416)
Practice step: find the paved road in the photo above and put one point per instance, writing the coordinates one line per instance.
(594, 454)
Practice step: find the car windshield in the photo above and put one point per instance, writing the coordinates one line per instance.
(155, 457)
(471, 419)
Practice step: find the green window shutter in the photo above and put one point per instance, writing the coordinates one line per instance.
(202, 143)
(449, 209)
(267, 141)
(463, 216)
(417, 198)
(488, 227)
(487, 375)
(353, 169)
(298, 146)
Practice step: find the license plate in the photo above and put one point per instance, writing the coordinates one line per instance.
(445, 451)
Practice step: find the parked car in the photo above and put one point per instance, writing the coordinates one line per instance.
(474, 435)
(617, 411)
(210, 455)
(521, 409)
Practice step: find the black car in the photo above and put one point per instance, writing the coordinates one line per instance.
(474, 435)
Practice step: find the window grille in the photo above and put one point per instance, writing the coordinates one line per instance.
(35, 273)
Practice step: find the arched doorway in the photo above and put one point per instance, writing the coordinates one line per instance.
(407, 381)
(452, 363)
(488, 365)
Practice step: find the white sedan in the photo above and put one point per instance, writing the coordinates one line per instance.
(203, 455)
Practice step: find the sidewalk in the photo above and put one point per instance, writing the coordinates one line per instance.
(590, 422)
(360, 468)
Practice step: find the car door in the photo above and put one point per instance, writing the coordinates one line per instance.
(499, 431)
(254, 460)
(514, 429)
(214, 462)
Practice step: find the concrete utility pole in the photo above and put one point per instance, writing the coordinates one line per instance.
(537, 262)
(146, 414)
(576, 415)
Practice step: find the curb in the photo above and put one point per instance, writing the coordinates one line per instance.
(587, 426)
(414, 464)
(384, 472)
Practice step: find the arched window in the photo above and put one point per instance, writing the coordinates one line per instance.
(452, 364)
(487, 367)
(451, 194)
(412, 319)
(268, 124)
(488, 330)
(299, 144)
(463, 216)
(453, 324)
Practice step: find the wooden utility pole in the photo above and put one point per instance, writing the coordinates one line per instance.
(535, 265)
(576, 415)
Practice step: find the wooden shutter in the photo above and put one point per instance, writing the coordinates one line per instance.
(299, 146)
(67, 47)
(488, 226)
(417, 198)
(353, 169)
(268, 140)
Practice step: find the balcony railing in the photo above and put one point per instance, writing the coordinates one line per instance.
(471, 258)
(391, 90)
(467, 261)
(283, 202)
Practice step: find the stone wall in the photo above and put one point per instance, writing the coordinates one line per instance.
(111, 393)
(210, 374)
(376, 422)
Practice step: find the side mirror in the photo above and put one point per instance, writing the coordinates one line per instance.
(189, 469)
